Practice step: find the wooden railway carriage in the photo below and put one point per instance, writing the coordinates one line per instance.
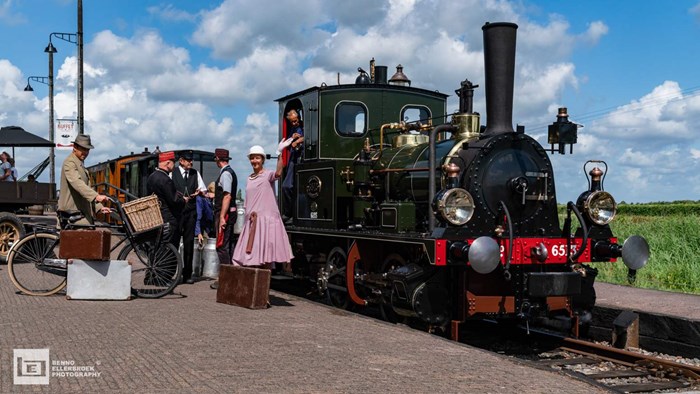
(125, 177)
(436, 218)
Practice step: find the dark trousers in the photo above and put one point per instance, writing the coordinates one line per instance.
(225, 252)
(288, 191)
(185, 231)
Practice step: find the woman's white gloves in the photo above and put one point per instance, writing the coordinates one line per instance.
(282, 145)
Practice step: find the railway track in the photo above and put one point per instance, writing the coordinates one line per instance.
(620, 370)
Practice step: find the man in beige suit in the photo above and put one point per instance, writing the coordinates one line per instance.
(77, 195)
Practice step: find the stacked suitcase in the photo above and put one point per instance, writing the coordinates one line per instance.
(91, 273)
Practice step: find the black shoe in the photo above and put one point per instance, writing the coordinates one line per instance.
(214, 285)
(189, 281)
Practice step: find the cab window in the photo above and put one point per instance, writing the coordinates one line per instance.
(350, 119)
(413, 113)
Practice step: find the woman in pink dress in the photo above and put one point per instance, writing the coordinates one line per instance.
(263, 239)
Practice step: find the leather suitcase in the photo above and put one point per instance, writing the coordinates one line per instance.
(98, 280)
(243, 286)
(85, 244)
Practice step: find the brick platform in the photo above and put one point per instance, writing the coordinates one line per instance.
(189, 343)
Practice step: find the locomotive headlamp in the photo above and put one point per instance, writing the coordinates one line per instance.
(600, 207)
(455, 206)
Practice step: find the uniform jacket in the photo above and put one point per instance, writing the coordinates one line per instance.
(171, 202)
(76, 189)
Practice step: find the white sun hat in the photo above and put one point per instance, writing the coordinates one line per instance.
(256, 150)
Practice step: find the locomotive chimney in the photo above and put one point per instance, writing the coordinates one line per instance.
(380, 75)
(499, 67)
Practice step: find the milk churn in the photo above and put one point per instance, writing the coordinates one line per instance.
(240, 218)
(210, 260)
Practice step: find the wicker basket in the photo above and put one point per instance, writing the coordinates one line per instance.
(143, 214)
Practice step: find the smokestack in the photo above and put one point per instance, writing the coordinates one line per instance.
(380, 75)
(499, 66)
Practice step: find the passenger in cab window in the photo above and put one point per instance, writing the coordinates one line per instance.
(296, 147)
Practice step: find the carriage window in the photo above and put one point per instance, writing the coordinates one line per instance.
(415, 113)
(350, 119)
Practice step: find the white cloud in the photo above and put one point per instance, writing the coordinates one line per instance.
(695, 11)
(283, 23)
(9, 16)
(137, 58)
(596, 30)
(657, 115)
(399, 11)
(168, 12)
(538, 87)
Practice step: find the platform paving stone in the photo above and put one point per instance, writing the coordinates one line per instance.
(188, 343)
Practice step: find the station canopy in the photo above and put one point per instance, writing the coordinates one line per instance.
(16, 136)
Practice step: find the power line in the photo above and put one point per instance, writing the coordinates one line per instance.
(683, 95)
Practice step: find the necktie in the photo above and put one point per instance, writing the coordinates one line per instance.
(186, 186)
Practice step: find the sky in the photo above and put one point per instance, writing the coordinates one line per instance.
(202, 74)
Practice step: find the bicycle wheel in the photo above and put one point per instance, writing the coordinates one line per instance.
(155, 270)
(25, 264)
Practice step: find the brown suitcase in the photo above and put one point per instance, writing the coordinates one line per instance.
(85, 244)
(243, 286)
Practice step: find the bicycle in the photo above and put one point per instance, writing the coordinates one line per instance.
(35, 268)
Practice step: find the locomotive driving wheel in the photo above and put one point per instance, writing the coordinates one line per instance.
(391, 262)
(337, 286)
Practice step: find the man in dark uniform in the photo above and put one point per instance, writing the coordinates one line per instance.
(160, 184)
(296, 148)
(224, 208)
(188, 183)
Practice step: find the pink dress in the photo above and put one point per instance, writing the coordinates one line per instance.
(271, 244)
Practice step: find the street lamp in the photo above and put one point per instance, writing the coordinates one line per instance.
(28, 88)
(43, 80)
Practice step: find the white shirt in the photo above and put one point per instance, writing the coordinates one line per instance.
(200, 182)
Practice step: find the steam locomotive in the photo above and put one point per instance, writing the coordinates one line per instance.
(436, 218)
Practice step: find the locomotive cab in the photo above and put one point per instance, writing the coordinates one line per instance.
(338, 121)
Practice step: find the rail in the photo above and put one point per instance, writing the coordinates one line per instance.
(627, 357)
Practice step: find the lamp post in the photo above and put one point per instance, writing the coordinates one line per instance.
(28, 88)
(81, 122)
(50, 49)
(77, 39)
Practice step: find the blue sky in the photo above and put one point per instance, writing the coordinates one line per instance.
(204, 74)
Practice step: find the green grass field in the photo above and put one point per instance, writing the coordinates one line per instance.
(673, 233)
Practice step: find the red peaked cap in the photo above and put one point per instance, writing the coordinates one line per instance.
(221, 154)
(166, 156)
